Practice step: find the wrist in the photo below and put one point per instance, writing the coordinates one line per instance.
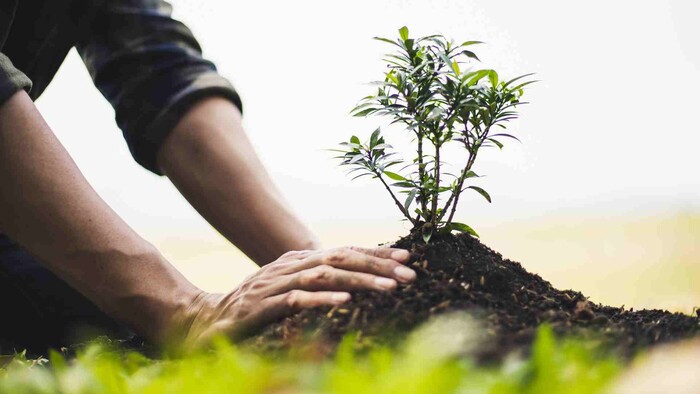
(191, 325)
(145, 291)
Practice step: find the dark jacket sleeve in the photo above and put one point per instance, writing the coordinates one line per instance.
(11, 79)
(150, 68)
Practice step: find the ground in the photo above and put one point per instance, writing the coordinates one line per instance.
(472, 322)
(459, 273)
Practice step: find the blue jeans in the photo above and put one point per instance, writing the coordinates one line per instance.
(38, 310)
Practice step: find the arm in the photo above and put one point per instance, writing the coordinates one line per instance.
(50, 209)
(182, 119)
(210, 160)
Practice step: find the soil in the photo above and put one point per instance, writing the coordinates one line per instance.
(459, 273)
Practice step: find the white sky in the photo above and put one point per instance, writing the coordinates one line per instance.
(611, 128)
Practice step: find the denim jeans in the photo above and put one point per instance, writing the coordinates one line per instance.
(38, 310)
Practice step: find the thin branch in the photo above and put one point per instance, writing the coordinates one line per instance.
(398, 204)
(458, 191)
(466, 169)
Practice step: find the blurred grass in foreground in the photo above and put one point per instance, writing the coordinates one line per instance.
(418, 367)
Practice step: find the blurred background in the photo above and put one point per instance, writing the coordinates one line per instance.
(602, 196)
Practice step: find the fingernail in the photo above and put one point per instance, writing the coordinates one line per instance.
(400, 255)
(339, 298)
(385, 283)
(405, 273)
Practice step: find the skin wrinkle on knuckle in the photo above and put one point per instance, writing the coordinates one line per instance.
(309, 277)
(308, 261)
(365, 281)
(259, 285)
(292, 299)
(322, 273)
(303, 254)
(374, 265)
(389, 265)
(244, 307)
(245, 286)
(335, 256)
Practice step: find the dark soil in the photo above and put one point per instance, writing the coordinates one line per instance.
(459, 273)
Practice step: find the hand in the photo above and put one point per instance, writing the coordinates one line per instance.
(296, 281)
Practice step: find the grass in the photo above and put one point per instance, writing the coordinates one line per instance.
(434, 359)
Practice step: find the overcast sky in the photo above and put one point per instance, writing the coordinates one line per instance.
(611, 128)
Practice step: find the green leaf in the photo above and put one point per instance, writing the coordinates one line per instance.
(426, 236)
(364, 112)
(351, 145)
(374, 138)
(473, 77)
(403, 183)
(395, 176)
(497, 142)
(409, 47)
(361, 175)
(363, 106)
(403, 32)
(382, 146)
(467, 43)
(387, 41)
(409, 199)
(355, 159)
(506, 135)
(455, 67)
(446, 60)
(391, 76)
(471, 55)
(481, 191)
(517, 78)
(354, 140)
(463, 228)
(519, 87)
(493, 77)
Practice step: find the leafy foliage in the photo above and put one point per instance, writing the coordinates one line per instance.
(433, 90)
(555, 367)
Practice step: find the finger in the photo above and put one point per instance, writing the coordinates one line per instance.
(351, 260)
(325, 277)
(285, 304)
(288, 262)
(276, 307)
(400, 255)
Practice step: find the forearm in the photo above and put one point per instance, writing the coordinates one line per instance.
(48, 207)
(211, 161)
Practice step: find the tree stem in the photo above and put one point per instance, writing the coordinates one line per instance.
(421, 173)
(434, 215)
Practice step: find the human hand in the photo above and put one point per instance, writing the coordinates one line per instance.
(295, 281)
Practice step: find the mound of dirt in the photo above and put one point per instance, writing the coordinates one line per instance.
(459, 273)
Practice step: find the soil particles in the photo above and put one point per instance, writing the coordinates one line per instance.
(459, 273)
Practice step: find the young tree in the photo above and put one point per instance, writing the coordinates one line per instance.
(432, 89)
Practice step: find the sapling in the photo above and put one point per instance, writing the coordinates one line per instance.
(433, 90)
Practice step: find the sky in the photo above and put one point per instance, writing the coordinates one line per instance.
(610, 133)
